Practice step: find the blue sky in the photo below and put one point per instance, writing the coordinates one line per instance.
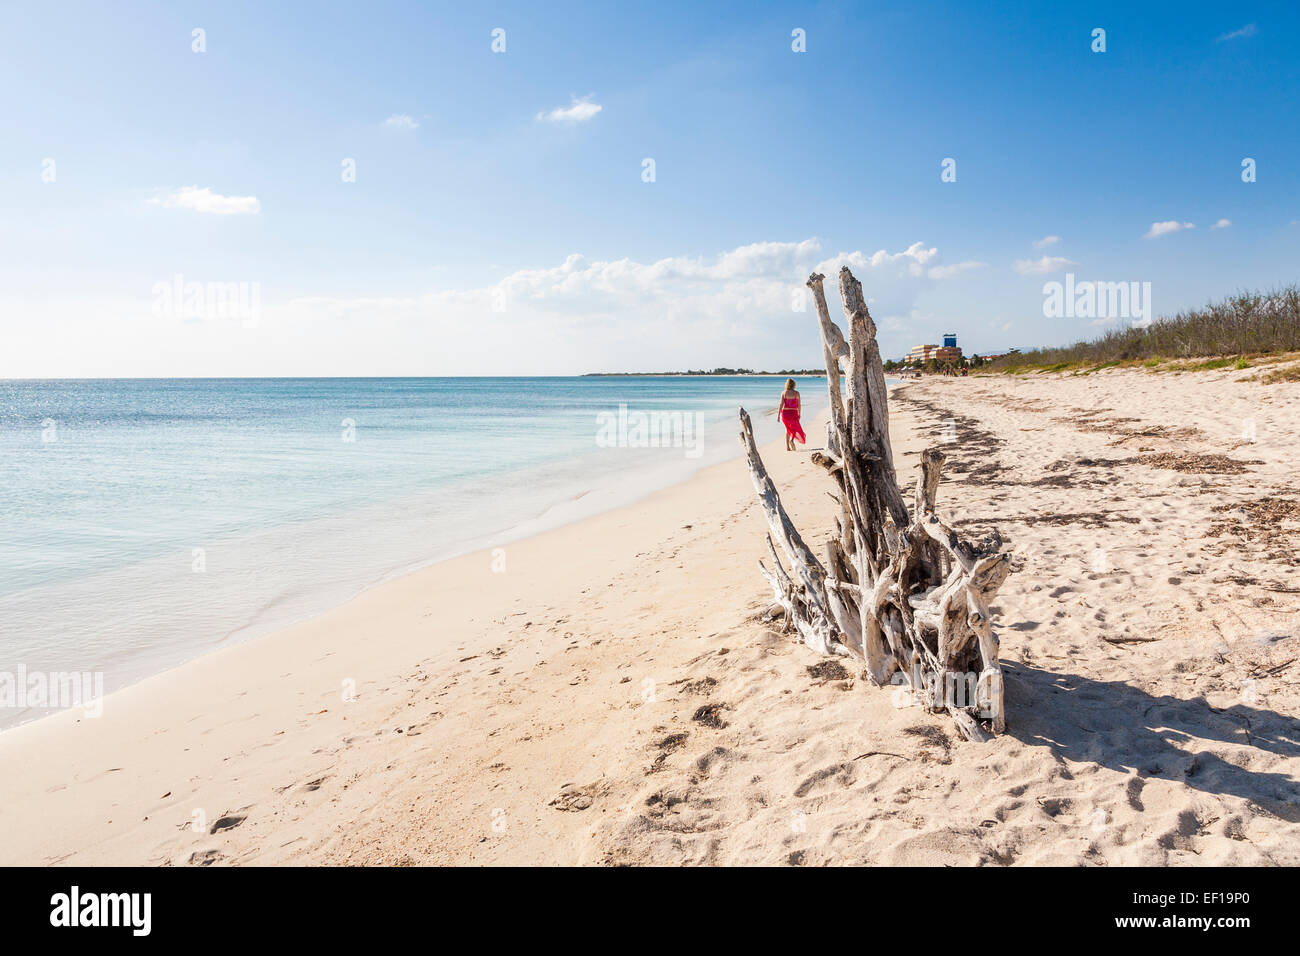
(495, 228)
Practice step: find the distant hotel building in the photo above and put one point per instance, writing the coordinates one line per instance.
(946, 353)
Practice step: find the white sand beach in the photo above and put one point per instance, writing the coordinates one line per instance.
(604, 693)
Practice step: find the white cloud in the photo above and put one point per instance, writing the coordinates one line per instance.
(616, 314)
(1031, 267)
(911, 261)
(205, 200)
(1159, 229)
(1046, 241)
(1222, 224)
(578, 111)
(1249, 30)
(401, 121)
(952, 271)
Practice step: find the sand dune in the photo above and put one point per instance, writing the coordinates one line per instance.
(611, 697)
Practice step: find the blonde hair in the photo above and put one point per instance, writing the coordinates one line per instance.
(789, 385)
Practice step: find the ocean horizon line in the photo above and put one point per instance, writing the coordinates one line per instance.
(375, 378)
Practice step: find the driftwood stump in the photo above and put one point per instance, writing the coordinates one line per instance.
(902, 593)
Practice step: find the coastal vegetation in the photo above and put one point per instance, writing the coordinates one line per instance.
(1230, 333)
(717, 371)
(934, 365)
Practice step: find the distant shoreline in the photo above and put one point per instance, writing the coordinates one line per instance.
(732, 373)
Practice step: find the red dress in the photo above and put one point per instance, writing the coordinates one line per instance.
(790, 418)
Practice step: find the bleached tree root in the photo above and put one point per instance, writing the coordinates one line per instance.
(898, 591)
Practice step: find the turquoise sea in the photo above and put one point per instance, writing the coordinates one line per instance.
(146, 522)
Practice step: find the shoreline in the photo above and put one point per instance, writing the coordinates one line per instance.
(611, 696)
(336, 576)
(193, 686)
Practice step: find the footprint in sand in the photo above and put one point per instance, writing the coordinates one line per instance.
(228, 822)
(700, 687)
(669, 745)
(716, 759)
(842, 774)
(1055, 806)
(573, 798)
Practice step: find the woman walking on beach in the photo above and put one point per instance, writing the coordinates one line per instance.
(789, 411)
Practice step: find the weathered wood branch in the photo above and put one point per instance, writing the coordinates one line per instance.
(901, 592)
(833, 346)
(806, 601)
